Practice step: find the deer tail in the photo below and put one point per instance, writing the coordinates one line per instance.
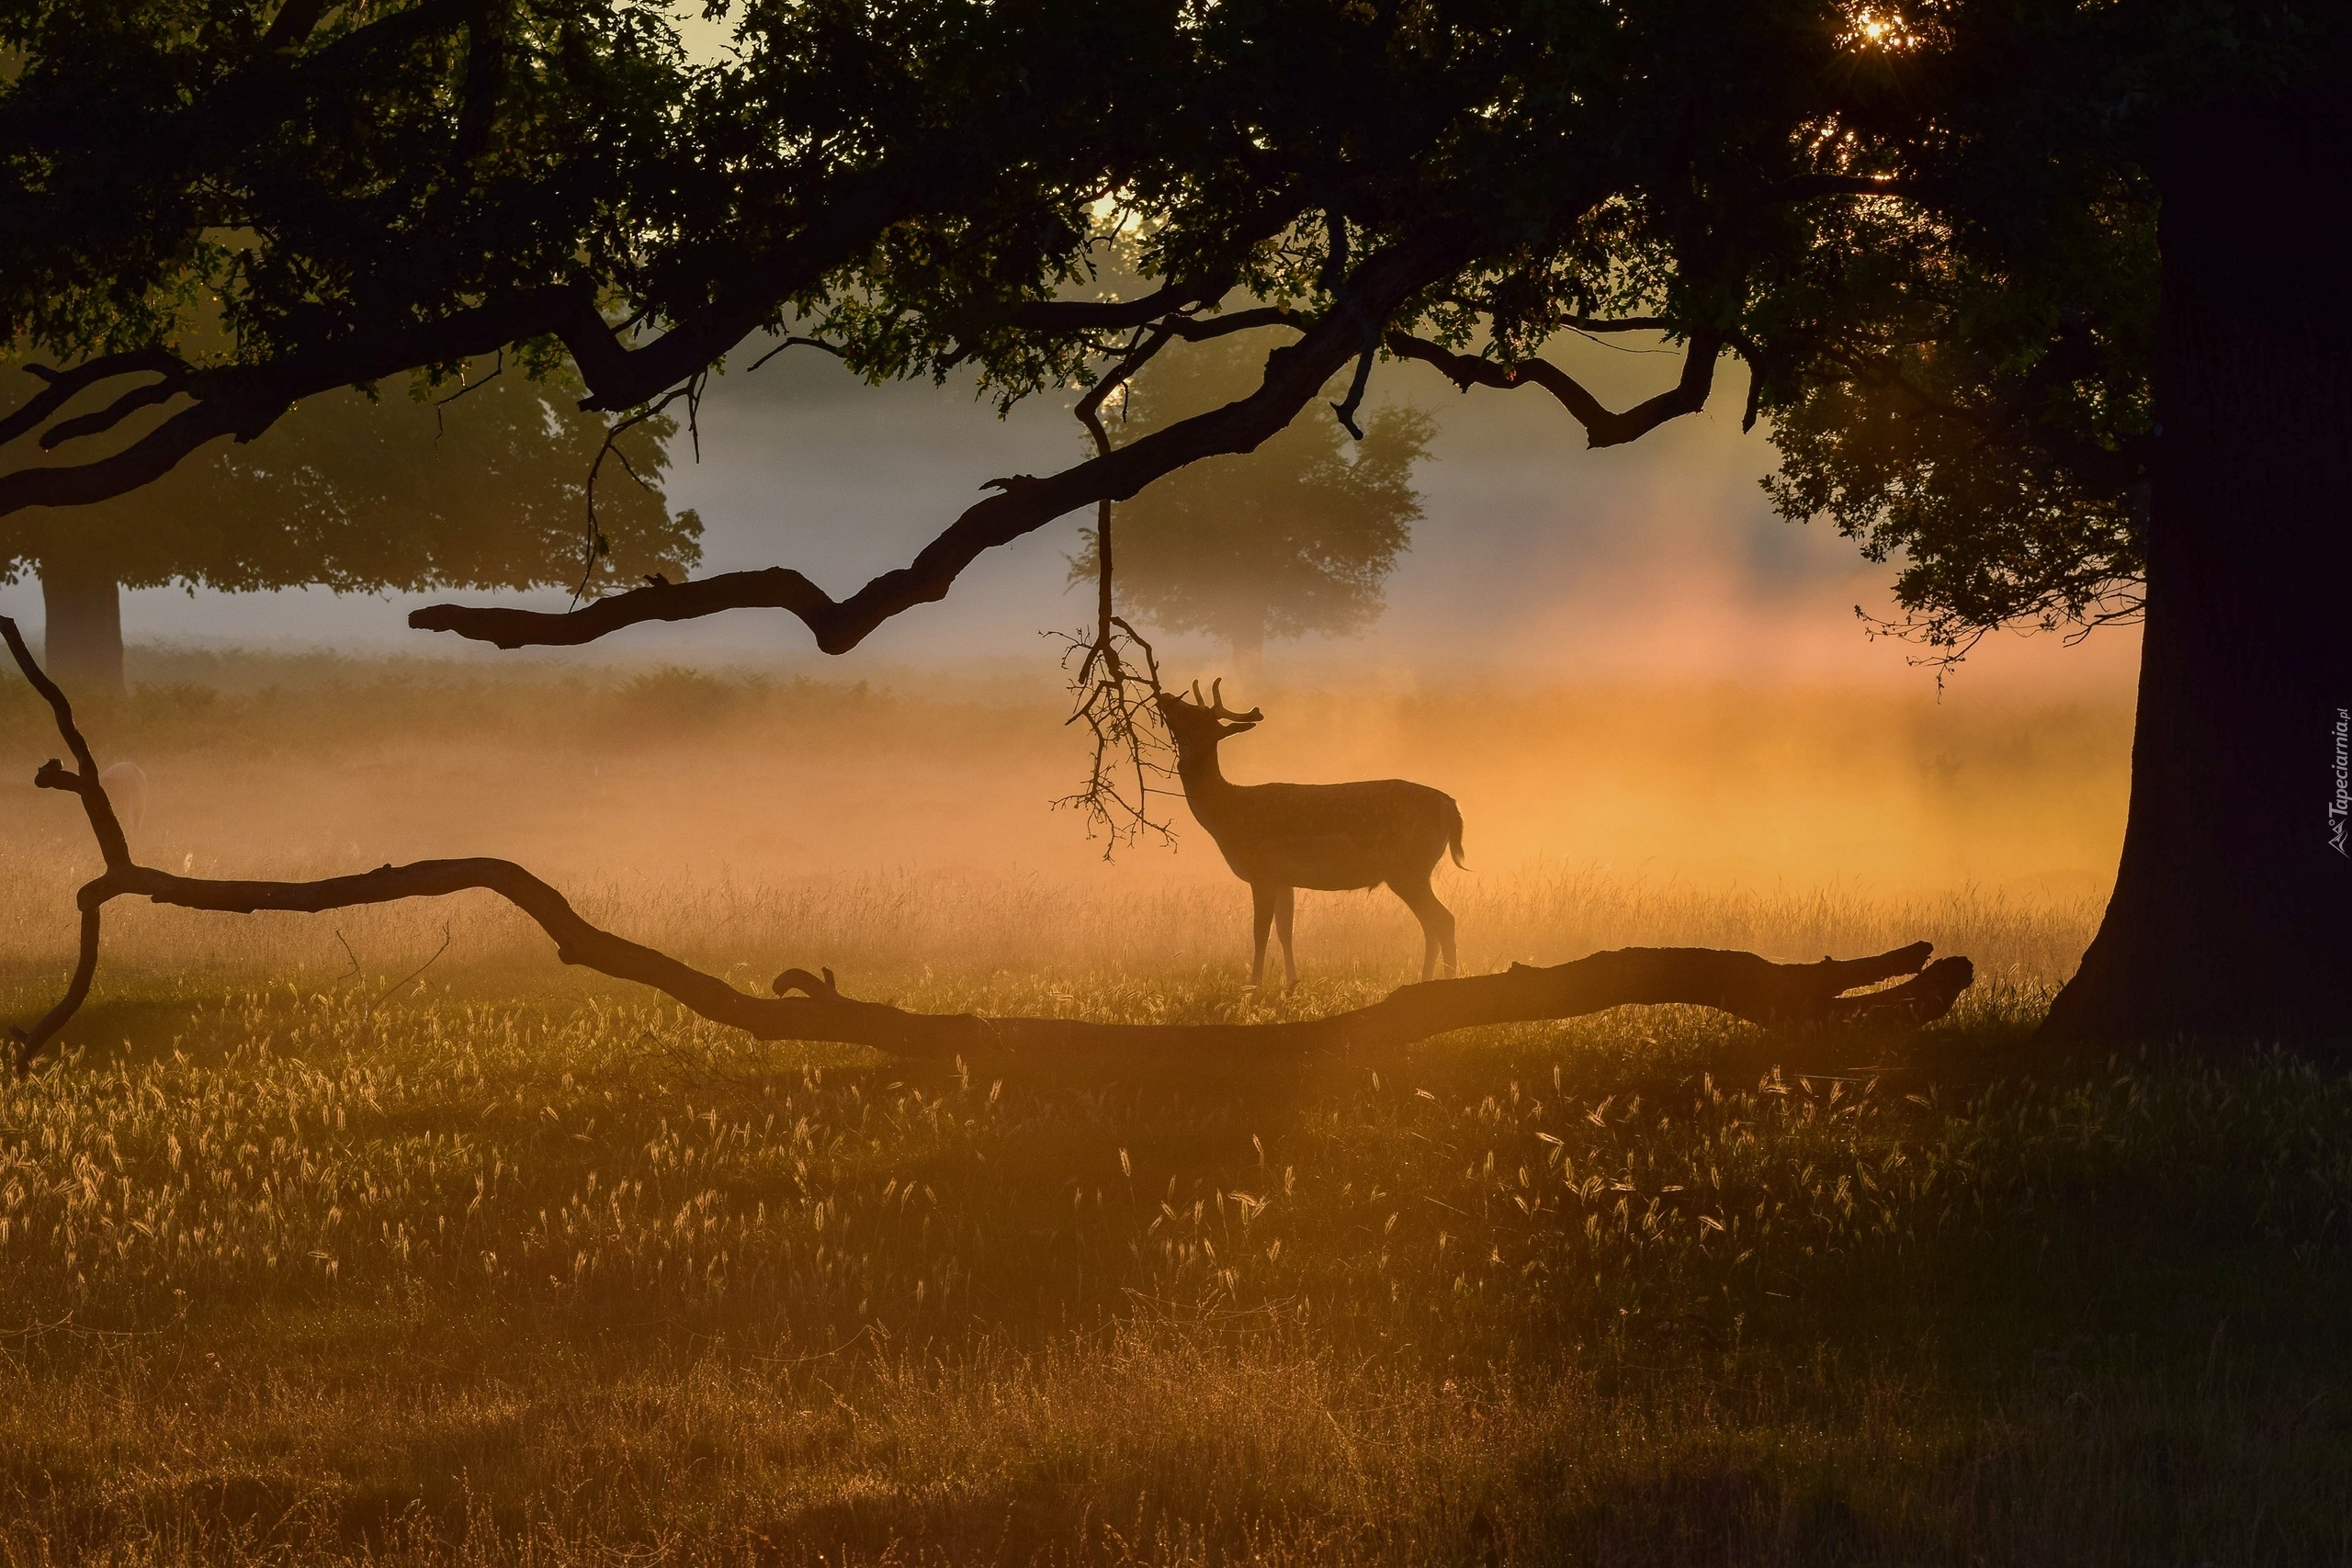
(1453, 831)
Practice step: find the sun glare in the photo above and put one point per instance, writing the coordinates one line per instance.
(1883, 30)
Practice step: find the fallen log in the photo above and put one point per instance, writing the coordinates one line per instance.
(811, 1007)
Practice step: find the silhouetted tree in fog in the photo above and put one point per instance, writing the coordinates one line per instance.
(361, 495)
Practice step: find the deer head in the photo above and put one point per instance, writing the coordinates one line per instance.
(1198, 725)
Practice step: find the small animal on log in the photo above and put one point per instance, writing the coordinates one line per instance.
(1279, 838)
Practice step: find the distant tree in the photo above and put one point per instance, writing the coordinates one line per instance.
(365, 495)
(1295, 537)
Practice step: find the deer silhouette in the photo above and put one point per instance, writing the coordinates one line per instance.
(1279, 838)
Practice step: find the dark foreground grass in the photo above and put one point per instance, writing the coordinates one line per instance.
(570, 1281)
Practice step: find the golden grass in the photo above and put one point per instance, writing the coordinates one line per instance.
(521, 1282)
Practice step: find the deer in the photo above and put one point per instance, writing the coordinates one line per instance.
(1279, 838)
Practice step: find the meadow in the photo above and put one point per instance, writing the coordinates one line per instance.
(383, 1237)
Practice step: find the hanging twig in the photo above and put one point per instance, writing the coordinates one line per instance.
(439, 430)
(598, 547)
(1116, 696)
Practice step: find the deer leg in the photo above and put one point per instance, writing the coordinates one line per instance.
(1261, 920)
(1437, 921)
(1285, 906)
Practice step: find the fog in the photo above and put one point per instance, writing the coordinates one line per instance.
(1640, 684)
(1537, 559)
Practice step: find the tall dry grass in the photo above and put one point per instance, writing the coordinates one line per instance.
(754, 825)
(333, 1280)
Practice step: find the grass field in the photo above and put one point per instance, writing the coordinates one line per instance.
(300, 1263)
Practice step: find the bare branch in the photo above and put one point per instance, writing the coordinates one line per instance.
(243, 400)
(63, 386)
(1618, 323)
(1110, 315)
(114, 413)
(595, 546)
(1116, 698)
(836, 350)
(83, 780)
(1294, 373)
(466, 389)
(1345, 410)
(1196, 329)
(1603, 426)
(149, 458)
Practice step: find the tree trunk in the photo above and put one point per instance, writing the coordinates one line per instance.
(82, 646)
(2232, 916)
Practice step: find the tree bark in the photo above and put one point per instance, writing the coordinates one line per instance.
(2231, 916)
(83, 605)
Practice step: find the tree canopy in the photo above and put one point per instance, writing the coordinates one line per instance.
(1295, 537)
(362, 494)
(1927, 233)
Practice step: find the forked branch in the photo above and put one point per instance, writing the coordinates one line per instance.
(1738, 982)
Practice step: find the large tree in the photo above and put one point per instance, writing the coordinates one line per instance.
(483, 486)
(2031, 294)
(1295, 537)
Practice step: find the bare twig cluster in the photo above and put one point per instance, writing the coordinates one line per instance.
(1116, 679)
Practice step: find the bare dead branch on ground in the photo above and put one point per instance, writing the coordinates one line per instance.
(1741, 984)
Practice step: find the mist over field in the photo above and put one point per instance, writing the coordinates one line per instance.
(1629, 672)
(1538, 561)
(720, 799)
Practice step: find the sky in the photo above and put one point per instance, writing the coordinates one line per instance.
(1537, 558)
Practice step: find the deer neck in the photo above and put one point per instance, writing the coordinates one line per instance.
(1204, 786)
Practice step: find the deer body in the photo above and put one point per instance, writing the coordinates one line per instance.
(1282, 836)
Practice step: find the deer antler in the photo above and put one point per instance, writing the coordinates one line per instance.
(1215, 704)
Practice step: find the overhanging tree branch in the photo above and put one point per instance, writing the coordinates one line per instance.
(1110, 315)
(1294, 374)
(1738, 982)
(243, 400)
(1115, 696)
(62, 387)
(1603, 426)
